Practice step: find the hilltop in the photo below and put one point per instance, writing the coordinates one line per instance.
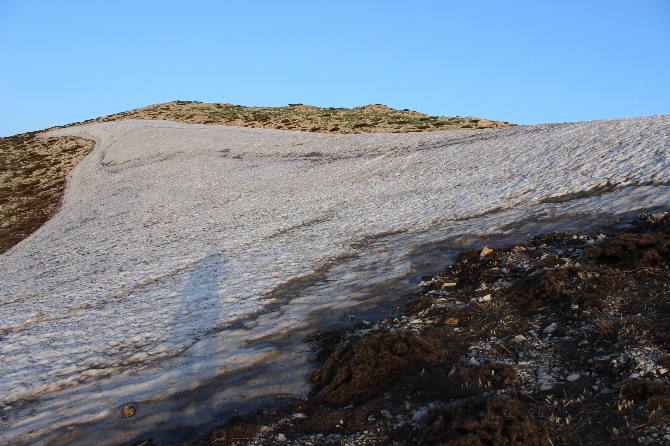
(373, 118)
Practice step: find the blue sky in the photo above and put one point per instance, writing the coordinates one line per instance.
(525, 62)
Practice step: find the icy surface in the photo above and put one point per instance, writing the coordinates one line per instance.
(188, 262)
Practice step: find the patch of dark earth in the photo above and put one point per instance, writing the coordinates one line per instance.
(564, 340)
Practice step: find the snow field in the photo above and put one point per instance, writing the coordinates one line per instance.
(171, 260)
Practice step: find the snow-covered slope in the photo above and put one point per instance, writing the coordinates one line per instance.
(188, 262)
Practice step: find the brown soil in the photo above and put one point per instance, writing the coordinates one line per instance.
(32, 179)
(562, 341)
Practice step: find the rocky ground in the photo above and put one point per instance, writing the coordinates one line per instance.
(563, 340)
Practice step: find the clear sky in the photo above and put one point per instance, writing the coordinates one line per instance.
(525, 62)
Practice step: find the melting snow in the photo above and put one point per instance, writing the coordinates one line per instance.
(188, 262)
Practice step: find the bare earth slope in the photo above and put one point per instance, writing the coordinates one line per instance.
(188, 262)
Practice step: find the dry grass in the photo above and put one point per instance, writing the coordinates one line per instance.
(373, 118)
(32, 179)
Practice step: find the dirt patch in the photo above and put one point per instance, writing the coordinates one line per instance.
(482, 421)
(367, 368)
(563, 340)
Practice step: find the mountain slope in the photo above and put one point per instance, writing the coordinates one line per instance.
(33, 170)
(188, 263)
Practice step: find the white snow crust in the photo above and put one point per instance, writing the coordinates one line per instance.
(187, 262)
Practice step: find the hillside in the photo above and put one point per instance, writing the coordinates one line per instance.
(33, 169)
(561, 340)
(189, 265)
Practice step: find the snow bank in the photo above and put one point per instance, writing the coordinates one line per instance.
(188, 262)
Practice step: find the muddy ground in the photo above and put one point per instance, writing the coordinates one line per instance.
(560, 341)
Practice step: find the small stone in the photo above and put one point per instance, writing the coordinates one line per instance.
(299, 416)
(474, 362)
(416, 321)
(550, 328)
(518, 249)
(282, 438)
(634, 375)
(573, 377)
(547, 386)
(128, 411)
(486, 298)
(372, 418)
(451, 321)
(519, 338)
(419, 414)
(486, 251)
(449, 284)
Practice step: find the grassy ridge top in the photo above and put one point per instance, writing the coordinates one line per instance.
(373, 118)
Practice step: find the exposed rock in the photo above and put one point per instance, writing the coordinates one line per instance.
(419, 414)
(486, 298)
(573, 377)
(128, 411)
(549, 329)
(486, 251)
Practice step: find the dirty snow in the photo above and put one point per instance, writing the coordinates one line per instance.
(187, 263)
